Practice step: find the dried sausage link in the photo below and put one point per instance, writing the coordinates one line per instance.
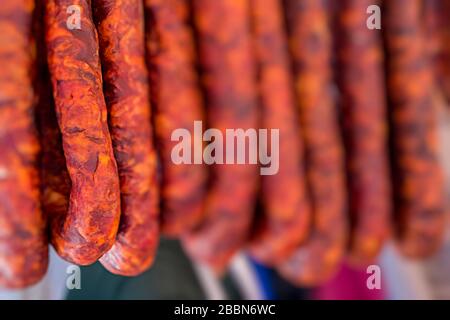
(229, 77)
(55, 180)
(310, 40)
(23, 241)
(286, 211)
(89, 227)
(433, 26)
(363, 100)
(445, 48)
(176, 98)
(418, 192)
(120, 25)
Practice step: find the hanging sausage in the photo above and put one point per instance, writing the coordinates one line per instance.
(126, 92)
(363, 102)
(23, 242)
(88, 229)
(228, 73)
(310, 40)
(178, 103)
(418, 179)
(285, 220)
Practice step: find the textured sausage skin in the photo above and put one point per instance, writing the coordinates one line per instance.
(23, 242)
(120, 25)
(436, 21)
(229, 78)
(317, 259)
(433, 26)
(445, 43)
(55, 180)
(285, 221)
(418, 176)
(89, 227)
(363, 99)
(177, 100)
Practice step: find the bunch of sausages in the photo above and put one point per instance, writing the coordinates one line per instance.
(91, 92)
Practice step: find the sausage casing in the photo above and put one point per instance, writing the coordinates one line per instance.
(89, 227)
(318, 258)
(229, 78)
(363, 101)
(23, 241)
(285, 220)
(418, 178)
(177, 101)
(120, 26)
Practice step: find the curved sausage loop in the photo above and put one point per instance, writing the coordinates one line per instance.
(88, 229)
(127, 98)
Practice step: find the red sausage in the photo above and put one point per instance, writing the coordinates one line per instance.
(88, 229)
(229, 78)
(363, 99)
(177, 100)
(286, 218)
(23, 242)
(318, 258)
(120, 25)
(419, 194)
